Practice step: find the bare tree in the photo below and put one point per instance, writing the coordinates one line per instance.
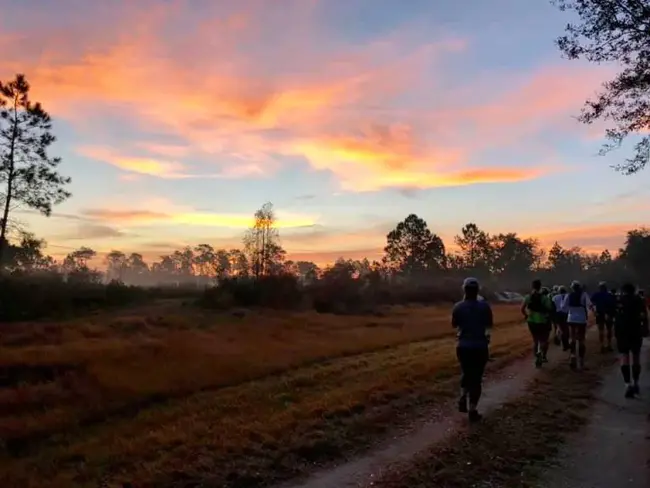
(261, 242)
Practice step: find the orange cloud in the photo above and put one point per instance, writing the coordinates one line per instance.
(145, 166)
(340, 110)
(219, 104)
(191, 217)
(592, 238)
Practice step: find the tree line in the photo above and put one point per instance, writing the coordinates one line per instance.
(413, 253)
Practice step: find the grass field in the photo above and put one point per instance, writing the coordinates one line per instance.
(169, 396)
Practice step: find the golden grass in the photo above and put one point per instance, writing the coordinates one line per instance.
(168, 394)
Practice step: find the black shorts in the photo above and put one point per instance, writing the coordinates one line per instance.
(472, 364)
(560, 318)
(540, 332)
(604, 320)
(629, 345)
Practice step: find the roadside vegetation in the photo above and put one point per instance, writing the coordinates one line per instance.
(166, 391)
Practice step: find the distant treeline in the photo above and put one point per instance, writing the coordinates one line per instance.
(416, 267)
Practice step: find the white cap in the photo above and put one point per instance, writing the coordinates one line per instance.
(575, 283)
(470, 282)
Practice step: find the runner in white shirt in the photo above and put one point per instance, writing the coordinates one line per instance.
(576, 304)
(561, 317)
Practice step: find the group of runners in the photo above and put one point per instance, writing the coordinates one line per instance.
(561, 312)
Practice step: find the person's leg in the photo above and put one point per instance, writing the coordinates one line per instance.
(545, 334)
(480, 359)
(564, 327)
(600, 322)
(554, 328)
(609, 324)
(572, 345)
(461, 354)
(624, 361)
(636, 365)
(532, 327)
(582, 344)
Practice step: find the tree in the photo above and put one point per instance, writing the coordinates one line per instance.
(477, 251)
(29, 256)
(261, 242)
(239, 263)
(223, 264)
(116, 264)
(514, 258)
(78, 260)
(205, 260)
(636, 254)
(615, 31)
(307, 272)
(28, 175)
(412, 248)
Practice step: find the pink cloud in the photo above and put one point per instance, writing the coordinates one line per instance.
(221, 90)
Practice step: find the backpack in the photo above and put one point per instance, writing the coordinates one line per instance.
(575, 299)
(536, 304)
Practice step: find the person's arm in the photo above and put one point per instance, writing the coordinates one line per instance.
(454, 317)
(489, 320)
(524, 308)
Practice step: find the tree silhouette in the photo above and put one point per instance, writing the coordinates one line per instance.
(261, 243)
(116, 264)
(29, 176)
(412, 248)
(477, 251)
(615, 31)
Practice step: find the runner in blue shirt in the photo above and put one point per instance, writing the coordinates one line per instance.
(473, 320)
(604, 305)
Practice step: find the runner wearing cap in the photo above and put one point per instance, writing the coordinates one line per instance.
(473, 319)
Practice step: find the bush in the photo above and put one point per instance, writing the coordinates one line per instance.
(30, 297)
(277, 291)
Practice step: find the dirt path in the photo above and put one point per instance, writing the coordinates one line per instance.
(359, 472)
(614, 449)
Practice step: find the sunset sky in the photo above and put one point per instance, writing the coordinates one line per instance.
(178, 119)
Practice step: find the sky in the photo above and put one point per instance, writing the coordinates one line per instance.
(177, 119)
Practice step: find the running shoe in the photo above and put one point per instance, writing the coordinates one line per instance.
(573, 363)
(474, 416)
(629, 391)
(636, 389)
(462, 404)
(538, 360)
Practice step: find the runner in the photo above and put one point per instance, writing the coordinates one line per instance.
(561, 317)
(557, 326)
(473, 319)
(604, 304)
(536, 310)
(577, 303)
(551, 317)
(629, 336)
(646, 305)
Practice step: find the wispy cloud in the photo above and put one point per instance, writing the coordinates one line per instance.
(141, 217)
(343, 108)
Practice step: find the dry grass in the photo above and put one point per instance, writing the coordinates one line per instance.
(172, 396)
(509, 446)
